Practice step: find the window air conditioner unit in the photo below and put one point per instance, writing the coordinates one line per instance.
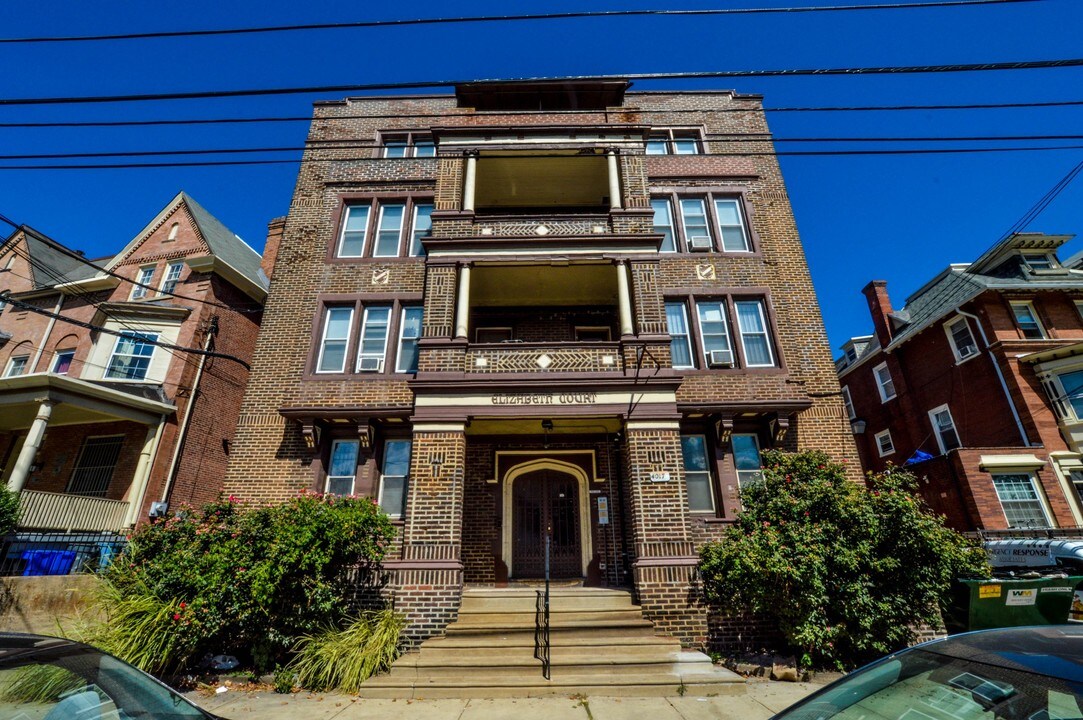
(699, 243)
(720, 358)
(371, 364)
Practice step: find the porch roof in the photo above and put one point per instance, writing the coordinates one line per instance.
(77, 401)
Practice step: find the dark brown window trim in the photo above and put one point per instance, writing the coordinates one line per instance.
(709, 193)
(690, 297)
(724, 480)
(397, 302)
(410, 198)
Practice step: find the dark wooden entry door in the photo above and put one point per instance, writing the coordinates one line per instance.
(545, 502)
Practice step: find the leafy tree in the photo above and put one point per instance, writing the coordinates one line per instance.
(847, 571)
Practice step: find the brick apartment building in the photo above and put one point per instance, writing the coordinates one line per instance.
(981, 372)
(98, 424)
(538, 309)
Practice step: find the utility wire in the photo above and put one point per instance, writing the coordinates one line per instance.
(5, 296)
(691, 75)
(500, 18)
(72, 254)
(515, 113)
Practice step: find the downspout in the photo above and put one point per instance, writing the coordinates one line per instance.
(48, 332)
(182, 431)
(1000, 377)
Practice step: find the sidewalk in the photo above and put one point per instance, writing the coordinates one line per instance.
(764, 698)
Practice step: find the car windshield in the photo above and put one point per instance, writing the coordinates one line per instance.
(71, 681)
(921, 685)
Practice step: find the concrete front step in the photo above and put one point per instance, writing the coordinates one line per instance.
(460, 628)
(561, 637)
(556, 617)
(558, 602)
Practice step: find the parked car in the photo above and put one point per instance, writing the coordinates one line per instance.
(1030, 673)
(47, 678)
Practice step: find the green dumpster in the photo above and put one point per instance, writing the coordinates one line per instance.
(1011, 602)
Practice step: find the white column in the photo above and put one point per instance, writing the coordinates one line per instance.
(614, 179)
(624, 299)
(30, 446)
(469, 182)
(138, 489)
(462, 305)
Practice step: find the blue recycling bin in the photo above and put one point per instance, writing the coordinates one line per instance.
(48, 562)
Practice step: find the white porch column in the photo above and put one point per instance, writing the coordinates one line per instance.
(30, 446)
(470, 181)
(462, 305)
(137, 491)
(624, 299)
(614, 179)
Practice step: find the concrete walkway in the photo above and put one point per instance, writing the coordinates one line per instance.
(764, 698)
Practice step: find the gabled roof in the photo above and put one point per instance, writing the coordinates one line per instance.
(50, 262)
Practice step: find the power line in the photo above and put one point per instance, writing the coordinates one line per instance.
(5, 296)
(691, 75)
(780, 153)
(499, 18)
(515, 113)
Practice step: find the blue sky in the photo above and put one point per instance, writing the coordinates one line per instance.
(898, 218)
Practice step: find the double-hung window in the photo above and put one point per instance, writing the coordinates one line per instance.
(673, 142)
(848, 402)
(884, 383)
(172, 277)
(144, 278)
(338, 322)
(961, 339)
(409, 333)
(17, 365)
(884, 443)
(680, 345)
(62, 361)
(394, 475)
(697, 473)
(746, 458)
(947, 437)
(405, 145)
(384, 228)
(1027, 320)
(374, 328)
(714, 334)
(1071, 383)
(131, 356)
(754, 337)
(1023, 506)
(707, 222)
(342, 468)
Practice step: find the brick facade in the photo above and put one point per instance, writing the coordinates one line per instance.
(609, 413)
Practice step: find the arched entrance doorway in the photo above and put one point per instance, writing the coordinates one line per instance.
(546, 499)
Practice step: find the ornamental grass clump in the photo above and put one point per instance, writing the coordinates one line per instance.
(239, 580)
(846, 571)
(344, 659)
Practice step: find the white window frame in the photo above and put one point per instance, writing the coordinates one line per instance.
(748, 475)
(384, 476)
(936, 428)
(669, 137)
(167, 278)
(350, 208)
(56, 361)
(172, 232)
(330, 464)
(9, 370)
(346, 341)
(848, 402)
(688, 473)
(881, 386)
(1049, 258)
(379, 229)
(880, 437)
(402, 335)
(409, 141)
(672, 227)
(1065, 402)
(706, 221)
(415, 238)
(143, 276)
(742, 224)
(361, 336)
(766, 332)
(1039, 496)
(143, 335)
(959, 358)
(687, 335)
(723, 308)
(1033, 313)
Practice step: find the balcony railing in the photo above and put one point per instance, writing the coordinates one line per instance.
(544, 357)
(58, 511)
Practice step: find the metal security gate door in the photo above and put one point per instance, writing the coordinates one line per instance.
(546, 503)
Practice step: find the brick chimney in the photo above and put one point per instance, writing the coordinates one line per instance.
(270, 249)
(879, 307)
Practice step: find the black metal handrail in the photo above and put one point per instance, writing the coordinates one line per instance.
(541, 621)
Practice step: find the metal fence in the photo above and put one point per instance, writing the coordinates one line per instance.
(52, 553)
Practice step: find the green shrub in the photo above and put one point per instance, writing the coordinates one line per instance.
(846, 571)
(9, 510)
(284, 680)
(244, 580)
(343, 659)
